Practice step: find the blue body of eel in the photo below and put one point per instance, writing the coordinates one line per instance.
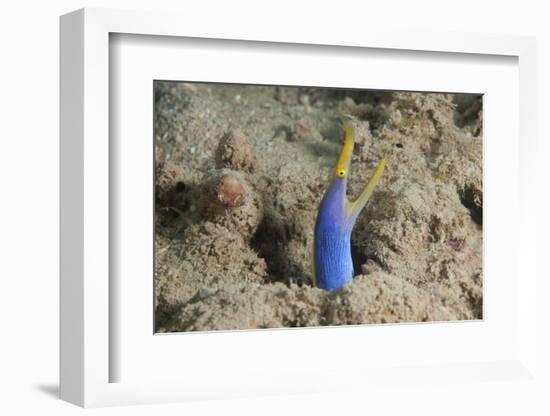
(332, 263)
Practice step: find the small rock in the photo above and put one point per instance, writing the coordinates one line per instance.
(456, 244)
(228, 198)
(230, 191)
(235, 152)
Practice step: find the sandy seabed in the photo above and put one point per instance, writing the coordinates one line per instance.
(240, 172)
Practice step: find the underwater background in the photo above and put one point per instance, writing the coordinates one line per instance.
(241, 170)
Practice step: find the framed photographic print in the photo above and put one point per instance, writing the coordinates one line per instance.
(254, 228)
(310, 204)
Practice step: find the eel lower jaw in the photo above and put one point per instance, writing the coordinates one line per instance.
(354, 207)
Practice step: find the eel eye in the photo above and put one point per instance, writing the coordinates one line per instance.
(341, 173)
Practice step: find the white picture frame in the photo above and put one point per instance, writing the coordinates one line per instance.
(87, 356)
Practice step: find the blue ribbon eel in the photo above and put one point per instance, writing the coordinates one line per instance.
(332, 262)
